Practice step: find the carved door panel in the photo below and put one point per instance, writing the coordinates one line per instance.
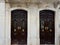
(47, 26)
(19, 27)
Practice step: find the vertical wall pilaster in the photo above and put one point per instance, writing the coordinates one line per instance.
(2, 22)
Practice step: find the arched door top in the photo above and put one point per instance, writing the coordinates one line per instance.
(20, 10)
(47, 10)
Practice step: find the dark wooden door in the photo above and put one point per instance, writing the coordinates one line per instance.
(47, 26)
(19, 27)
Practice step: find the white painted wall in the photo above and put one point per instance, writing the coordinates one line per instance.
(57, 27)
(33, 24)
(2, 23)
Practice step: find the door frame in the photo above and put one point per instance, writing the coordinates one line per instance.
(8, 24)
(53, 9)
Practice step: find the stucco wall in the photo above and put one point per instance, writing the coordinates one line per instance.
(2, 23)
(33, 24)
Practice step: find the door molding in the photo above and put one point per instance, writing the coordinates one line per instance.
(8, 24)
(56, 20)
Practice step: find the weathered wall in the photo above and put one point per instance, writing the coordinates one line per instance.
(33, 22)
